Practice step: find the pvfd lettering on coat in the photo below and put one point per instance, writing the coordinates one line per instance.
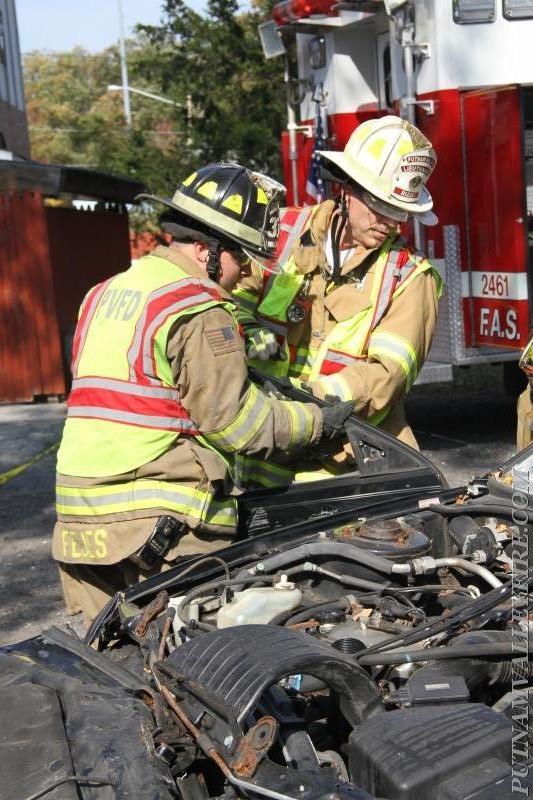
(119, 304)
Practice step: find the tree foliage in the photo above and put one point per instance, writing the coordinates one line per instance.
(230, 101)
(238, 96)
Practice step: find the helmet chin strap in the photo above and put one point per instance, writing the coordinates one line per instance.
(213, 260)
(338, 226)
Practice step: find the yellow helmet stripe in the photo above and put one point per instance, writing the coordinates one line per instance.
(217, 220)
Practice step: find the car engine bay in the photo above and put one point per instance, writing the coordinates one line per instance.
(371, 659)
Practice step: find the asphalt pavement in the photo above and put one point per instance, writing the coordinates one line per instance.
(466, 430)
(30, 595)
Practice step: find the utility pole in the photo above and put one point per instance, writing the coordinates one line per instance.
(190, 111)
(124, 67)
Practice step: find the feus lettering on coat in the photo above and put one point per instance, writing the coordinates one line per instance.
(119, 303)
(85, 546)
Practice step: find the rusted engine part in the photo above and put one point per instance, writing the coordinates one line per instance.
(152, 627)
(251, 749)
(203, 741)
(165, 632)
(254, 746)
(312, 785)
(393, 538)
(221, 681)
(152, 610)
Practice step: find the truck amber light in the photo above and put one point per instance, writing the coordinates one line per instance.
(472, 11)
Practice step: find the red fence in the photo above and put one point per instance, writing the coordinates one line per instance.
(49, 258)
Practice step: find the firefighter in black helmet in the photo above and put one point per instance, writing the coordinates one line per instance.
(162, 412)
(224, 204)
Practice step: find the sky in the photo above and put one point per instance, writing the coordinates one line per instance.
(63, 24)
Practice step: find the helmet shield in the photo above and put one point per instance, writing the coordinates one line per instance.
(270, 264)
(383, 208)
(399, 215)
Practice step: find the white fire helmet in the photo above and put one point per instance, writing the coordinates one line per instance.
(392, 159)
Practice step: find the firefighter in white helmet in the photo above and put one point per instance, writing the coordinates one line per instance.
(161, 408)
(351, 313)
(524, 432)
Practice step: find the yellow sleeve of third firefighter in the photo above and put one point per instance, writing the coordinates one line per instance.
(397, 349)
(247, 295)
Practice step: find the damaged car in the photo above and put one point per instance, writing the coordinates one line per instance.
(364, 637)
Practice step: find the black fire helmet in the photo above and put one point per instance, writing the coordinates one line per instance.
(229, 202)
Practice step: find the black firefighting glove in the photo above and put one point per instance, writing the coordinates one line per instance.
(334, 418)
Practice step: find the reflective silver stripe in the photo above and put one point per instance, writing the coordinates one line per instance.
(249, 420)
(388, 343)
(158, 392)
(391, 275)
(202, 297)
(302, 423)
(197, 503)
(294, 232)
(340, 358)
(129, 498)
(139, 325)
(415, 260)
(95, 299)
(407, 269)
(221, 508)
(127, 417)
(300, 360)
(278, 476)
(135, 346)
(337, 386)
(248, 470)
(268, 285)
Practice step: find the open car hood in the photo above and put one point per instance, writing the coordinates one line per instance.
(384, 469)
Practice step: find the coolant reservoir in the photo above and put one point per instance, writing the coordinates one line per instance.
(259, 605)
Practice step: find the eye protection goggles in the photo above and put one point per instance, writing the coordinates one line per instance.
(382, 208)
(238, 254)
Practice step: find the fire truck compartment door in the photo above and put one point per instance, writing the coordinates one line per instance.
(495, 287)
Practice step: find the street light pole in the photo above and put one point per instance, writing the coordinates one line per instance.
(114, 87)
(124, 68)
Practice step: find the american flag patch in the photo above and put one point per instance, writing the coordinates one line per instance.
(222, 340)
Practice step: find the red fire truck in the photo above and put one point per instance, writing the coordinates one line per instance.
(463, 71)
